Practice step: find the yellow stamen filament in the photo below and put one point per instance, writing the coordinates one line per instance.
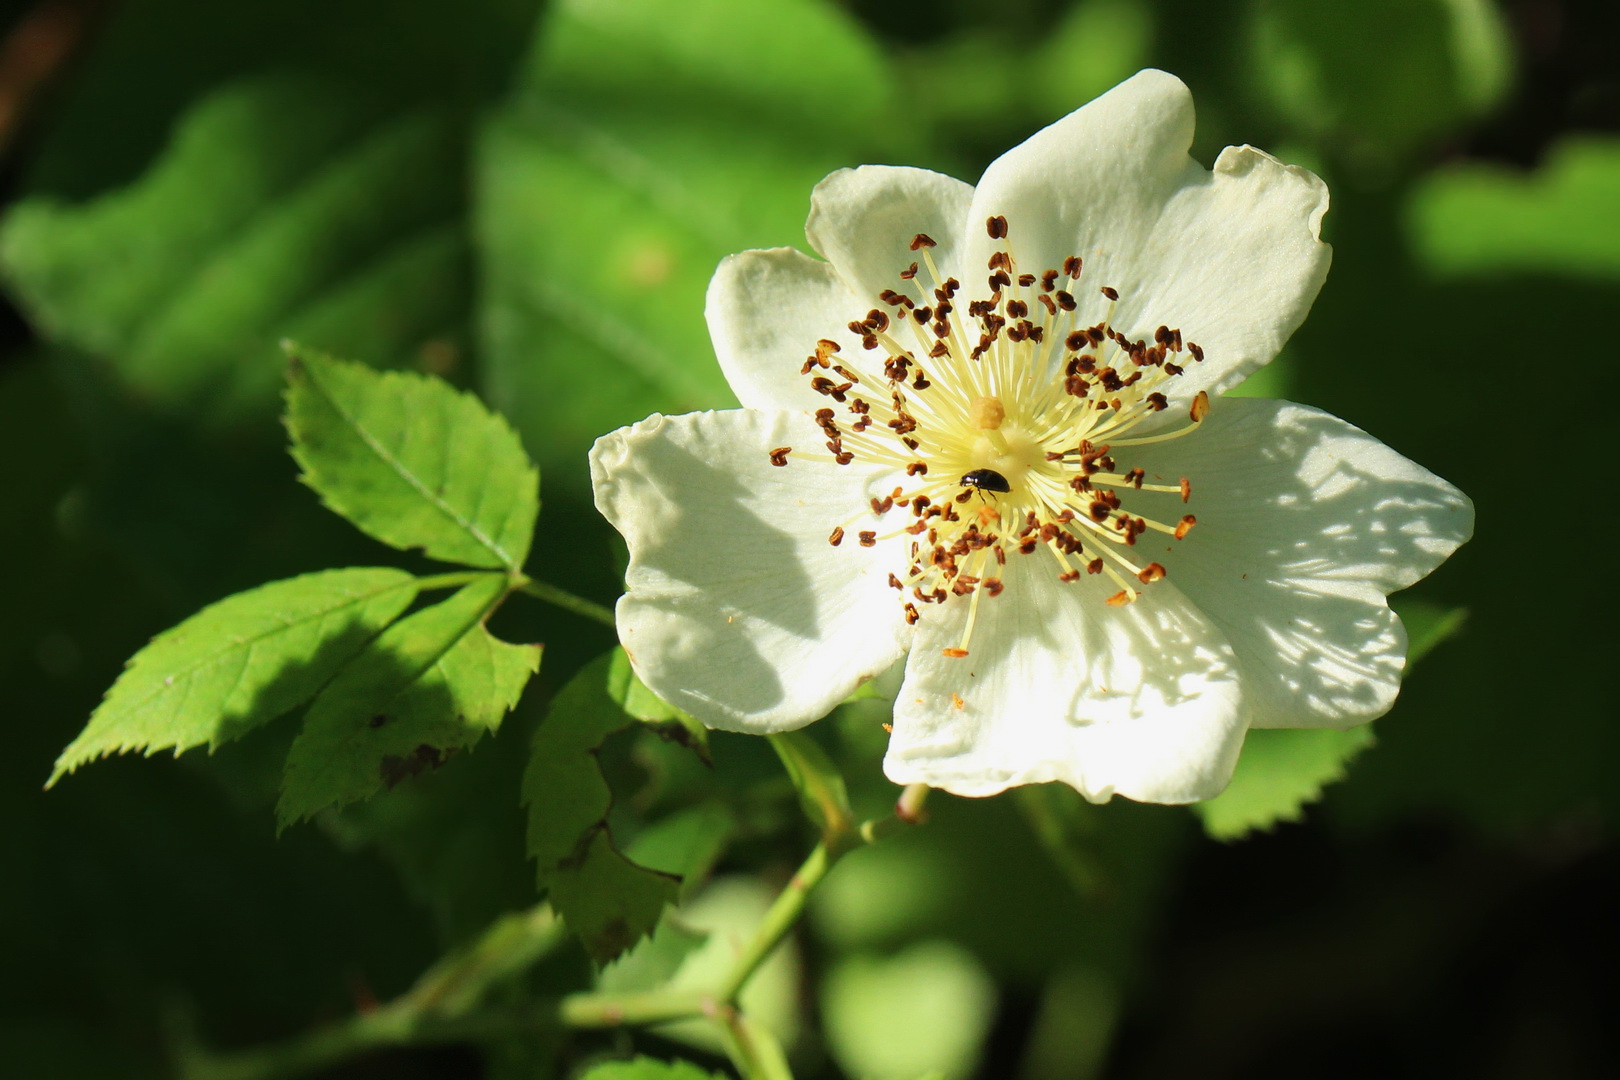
(1002, 422)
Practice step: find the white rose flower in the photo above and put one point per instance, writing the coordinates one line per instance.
(988, 431)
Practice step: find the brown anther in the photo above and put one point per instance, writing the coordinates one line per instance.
(1186, 489)
(1135, 478)
(999, 280)
(882, 506)
(1069, 575)
(1095, 566)
(1120, 599)
(1000, 260)
(1028, 545)
(954, 654)
(916, 468)
(1197, 353)
(837, 536)
(1150, 573)
(1185, 526)
(1072, 266)
(1048, 303)
(779, 455)
(996, 227)
(1200, 407)
(922, 240)
(1017, 309)
(909, 272)
(1157, 402)
(868, 539)
(894, 583)
(1026, 280)
(1112, 294)
(911, 615)
(992, 586)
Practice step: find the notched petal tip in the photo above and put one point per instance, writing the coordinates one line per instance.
(1240, 161)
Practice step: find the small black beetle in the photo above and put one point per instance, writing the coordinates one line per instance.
(985, 480)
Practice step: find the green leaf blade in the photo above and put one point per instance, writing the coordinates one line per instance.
(610, 901)
(644, 1068)
(413, 462)
(240, 663)
(272, 212)
(432, 684)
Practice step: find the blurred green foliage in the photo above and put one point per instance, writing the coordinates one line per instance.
(528, 200)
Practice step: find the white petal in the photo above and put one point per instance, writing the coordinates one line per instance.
(737, 608)
(1305, 523)
(863, 220)
(766, 311)
(1232, 258)
(1140, 701)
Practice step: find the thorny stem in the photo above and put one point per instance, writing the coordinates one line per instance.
(588, 609)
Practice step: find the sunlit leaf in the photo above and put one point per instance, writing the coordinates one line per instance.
(412, 461)
(643, 1068)
(1282, 771)
(1486, 220)
(926, 1010)
(240, 663)
(651, 139)
(432, 684)
(276, 211)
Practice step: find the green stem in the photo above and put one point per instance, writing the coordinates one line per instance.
(789, 905)
(778, 921)
(755, 1051)
(431, 1012)
(620, 1010)
(588, 609)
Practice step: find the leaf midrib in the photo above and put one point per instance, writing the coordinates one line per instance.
(407, 475)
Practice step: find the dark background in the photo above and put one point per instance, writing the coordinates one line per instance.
(528, 200)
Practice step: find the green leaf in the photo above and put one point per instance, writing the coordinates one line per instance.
(412, 461)
(653, 138)
(820, 785)
(676, 725)
(240, 663)
(655, 960)
(1379, 79)
(925, 1010)
(568, 801)
(430, 685)
(1279, 773)
(609, 901)
(644, 1068)
(1476, 220)
(277, 210)
(686, 844)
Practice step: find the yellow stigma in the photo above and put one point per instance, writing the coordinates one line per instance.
(987, 413)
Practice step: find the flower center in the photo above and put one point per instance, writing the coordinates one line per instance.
(1006, 422)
